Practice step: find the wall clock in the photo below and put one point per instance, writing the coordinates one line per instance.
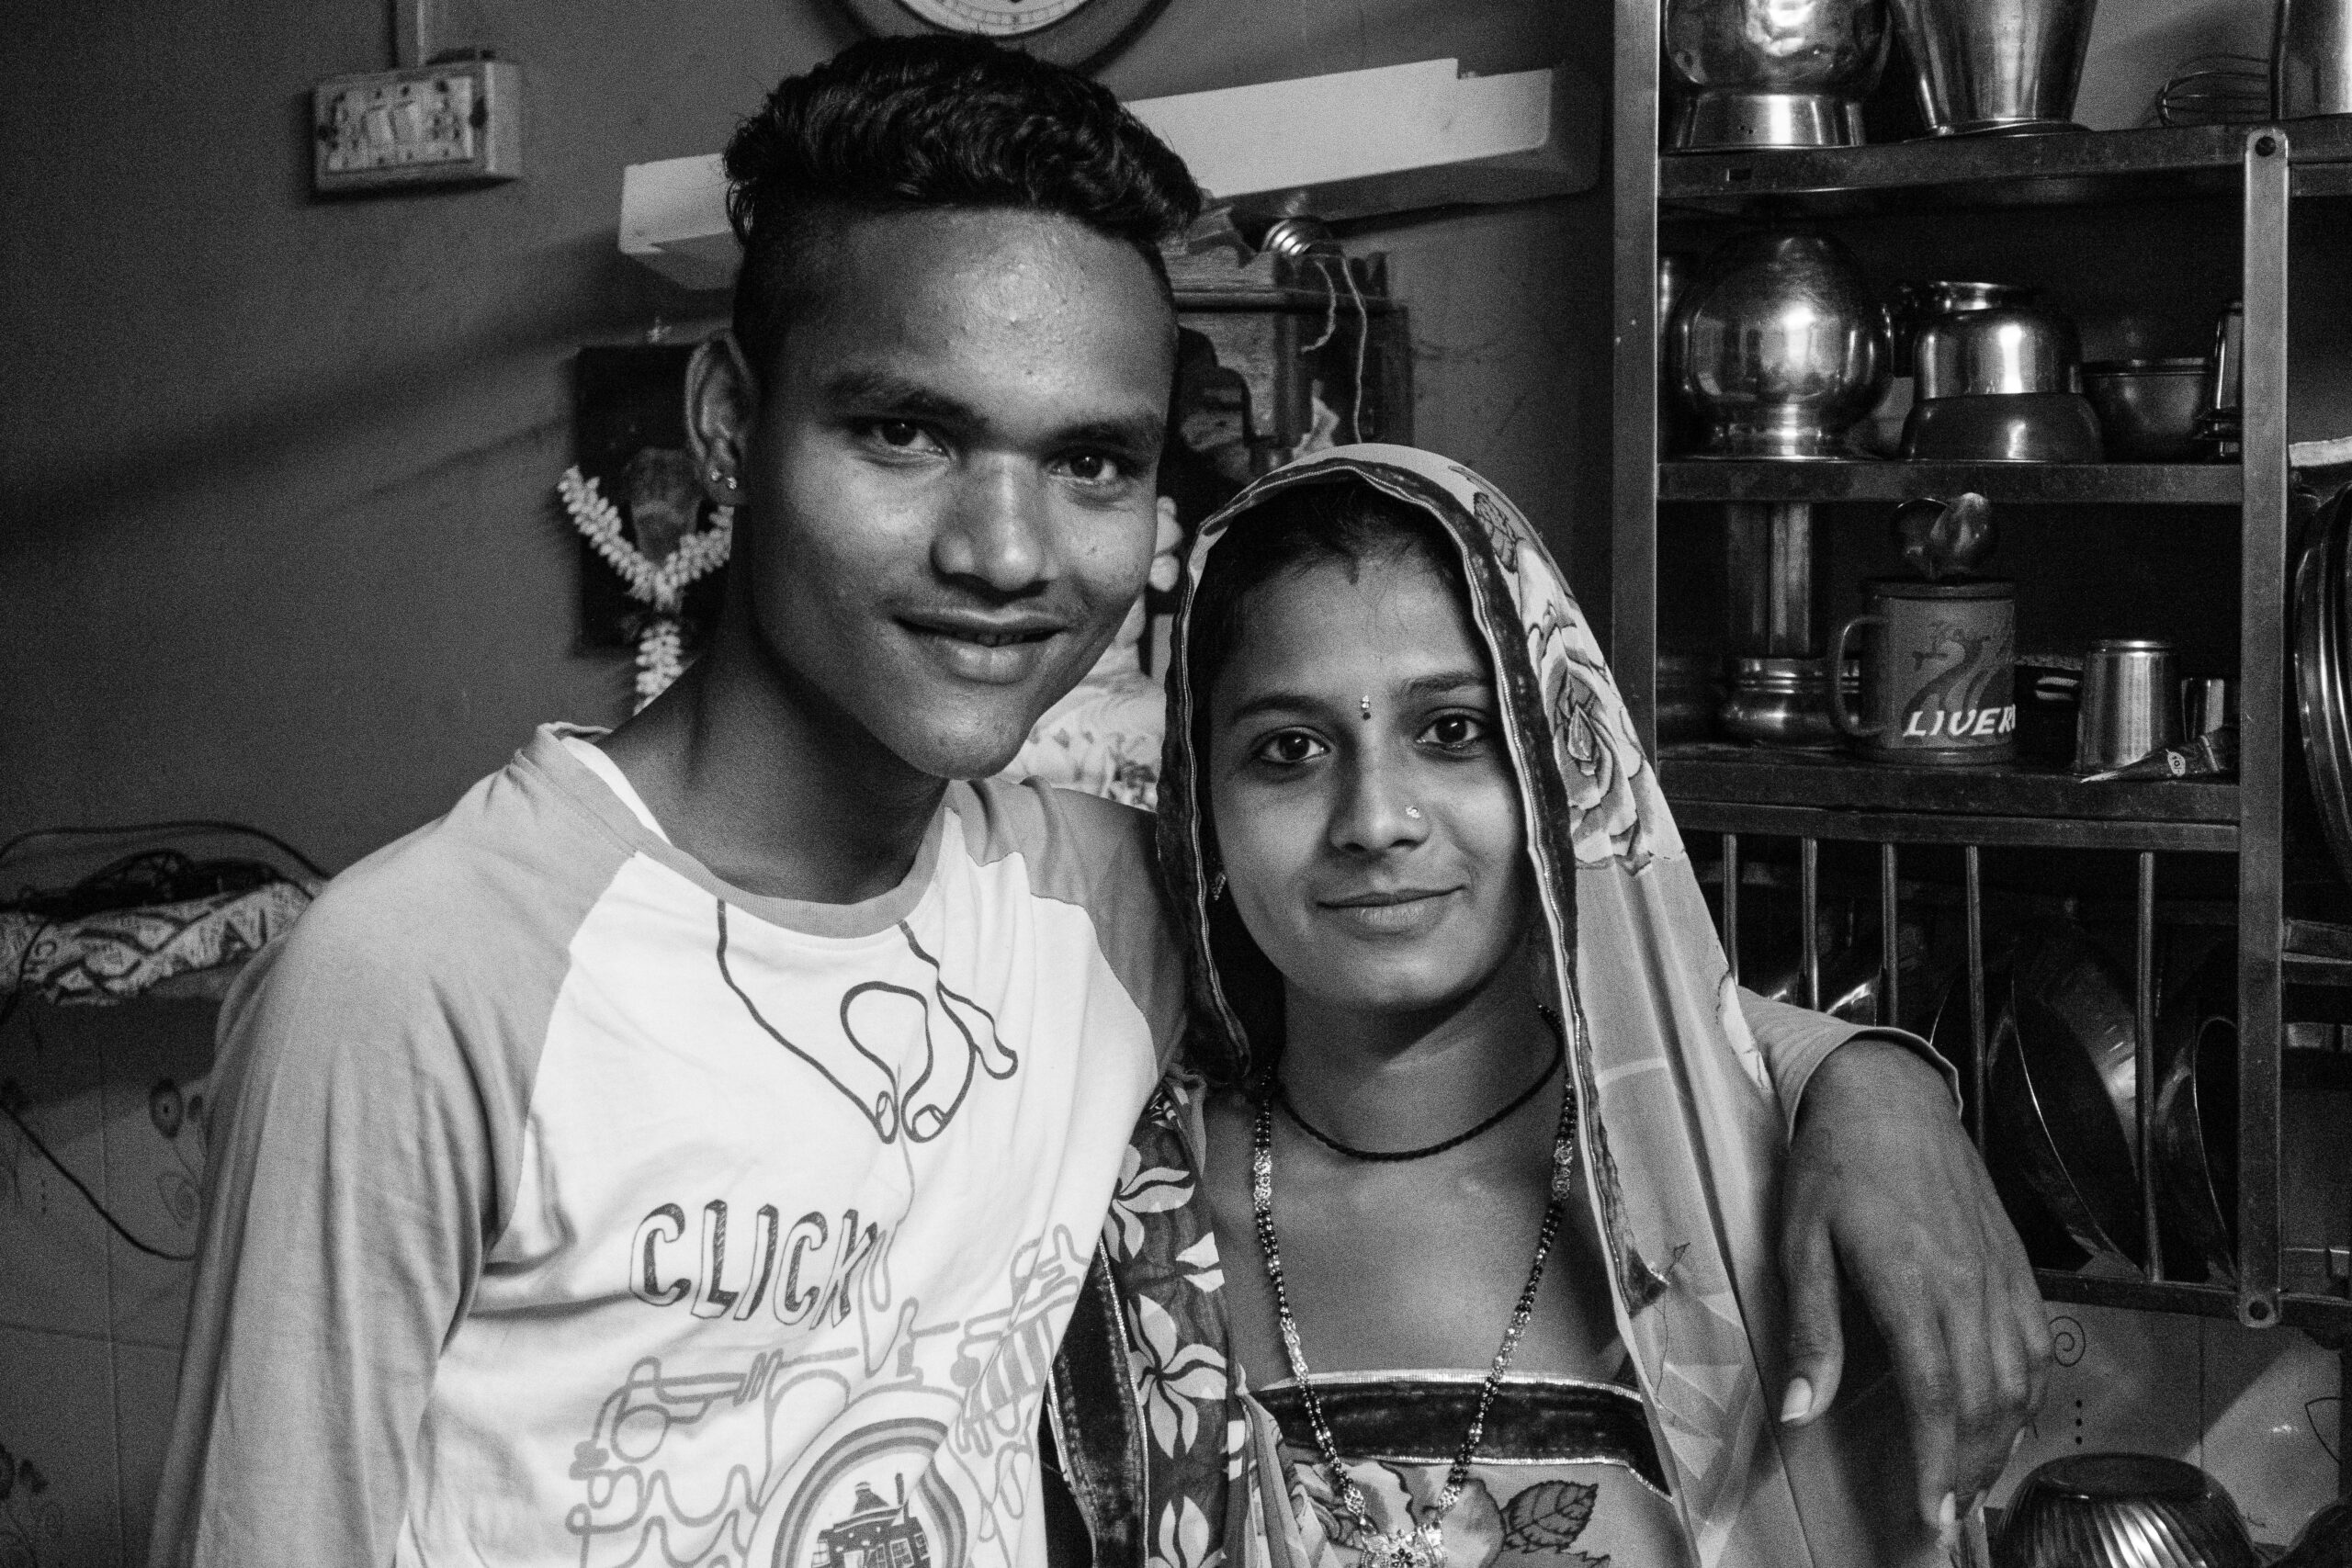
(1076, 33)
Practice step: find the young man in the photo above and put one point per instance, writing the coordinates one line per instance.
(689, 1149)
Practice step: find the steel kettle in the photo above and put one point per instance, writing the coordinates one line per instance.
(2311, 59)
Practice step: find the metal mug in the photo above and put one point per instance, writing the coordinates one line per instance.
(1939, 681)
(2311, 59)
(2130, 703)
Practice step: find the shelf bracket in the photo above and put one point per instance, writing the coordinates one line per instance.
(2261, 660)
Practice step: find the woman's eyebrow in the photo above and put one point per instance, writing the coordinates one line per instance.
(1276, 701)
(1420, 688)
(1445, 684)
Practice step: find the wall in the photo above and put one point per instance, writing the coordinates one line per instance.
(276, 535)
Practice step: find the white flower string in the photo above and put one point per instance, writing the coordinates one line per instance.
(661, 586)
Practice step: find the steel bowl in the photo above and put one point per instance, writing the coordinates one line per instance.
(1997, 347)
(2025, 427)
(1997, 65)
(1779, 701)
(2147, 408)
(2113, 1510)
(1779, 347)
(1772, 72)
(2325, 1541)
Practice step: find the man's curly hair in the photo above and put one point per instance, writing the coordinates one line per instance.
(907, 124)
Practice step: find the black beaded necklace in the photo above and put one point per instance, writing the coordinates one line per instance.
(1280, 1096)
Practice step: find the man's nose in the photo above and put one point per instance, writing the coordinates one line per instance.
(1378, 807)
(995, 532)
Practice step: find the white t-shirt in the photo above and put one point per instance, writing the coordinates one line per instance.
(569, 1206)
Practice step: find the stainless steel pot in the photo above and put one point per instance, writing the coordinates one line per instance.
(2311, 59)
(1997, 65)
(1985, 339)
(1772, 72)
(1779, 346)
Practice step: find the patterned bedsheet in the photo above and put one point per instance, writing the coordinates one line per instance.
(192, 948)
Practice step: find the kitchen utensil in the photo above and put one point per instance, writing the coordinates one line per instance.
(2113, 1510)
(1686, 697)
(2195, 1122)
(1779, 347)
(2311, 59)
(2321, 668)
(2024, 427)
(1938, 685)
(2325, 1541)
(2131, 705)
(2207, 702)
(1991, 339)
(1780, 701)
(1945, 538)
(1997, 65)
(1848, 952)
(2217, 421)
(1767, 577)
(2216, 89)
(2147, 408)
(1675, 271)
(2061, 1133)
(1761, 73)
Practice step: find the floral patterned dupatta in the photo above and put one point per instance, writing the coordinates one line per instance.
(1680, 1129)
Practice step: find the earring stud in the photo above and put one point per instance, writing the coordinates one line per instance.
(1414, 812)
(1364, 703)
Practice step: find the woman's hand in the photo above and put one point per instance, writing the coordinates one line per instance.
(1884, 1184)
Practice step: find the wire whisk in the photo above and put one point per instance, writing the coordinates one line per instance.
(2216, 89)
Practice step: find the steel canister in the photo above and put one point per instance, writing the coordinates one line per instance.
(2131, 703)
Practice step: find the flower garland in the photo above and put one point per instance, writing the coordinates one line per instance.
(660, 585)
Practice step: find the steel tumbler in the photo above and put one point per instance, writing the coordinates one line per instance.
(2131, 703)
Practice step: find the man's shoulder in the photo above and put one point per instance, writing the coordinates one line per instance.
(507, 874)
(1078, 847)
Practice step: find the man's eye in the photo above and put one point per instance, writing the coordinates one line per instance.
(1290, 748)
(1456, 731)
(901, 435)
(1096, 468)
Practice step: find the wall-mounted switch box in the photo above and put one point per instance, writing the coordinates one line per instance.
(454, 124)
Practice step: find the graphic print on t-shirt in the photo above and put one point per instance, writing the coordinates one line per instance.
(930, 1462)
(870, 1077)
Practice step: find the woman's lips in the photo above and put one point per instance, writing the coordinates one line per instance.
(1401, 912)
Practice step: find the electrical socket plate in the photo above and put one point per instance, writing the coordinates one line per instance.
(435, 125)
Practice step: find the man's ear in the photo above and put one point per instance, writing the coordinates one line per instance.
(722, 401)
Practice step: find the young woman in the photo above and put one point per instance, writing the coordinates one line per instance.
(1451, 1240)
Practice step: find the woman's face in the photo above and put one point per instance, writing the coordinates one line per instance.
(1377, 860)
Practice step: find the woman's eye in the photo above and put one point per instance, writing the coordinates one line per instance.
(1289, 749)
(1456, 731)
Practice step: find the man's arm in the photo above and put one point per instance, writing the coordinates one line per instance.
(1884, 1188)
(348, 1202)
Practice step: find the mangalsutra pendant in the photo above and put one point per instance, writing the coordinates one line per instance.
(1420, 1547)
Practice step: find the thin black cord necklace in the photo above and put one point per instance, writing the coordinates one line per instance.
(1281, 1095)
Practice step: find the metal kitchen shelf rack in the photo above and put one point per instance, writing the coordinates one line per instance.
(2068, 170)
(1718, 790)
(1837, 479)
